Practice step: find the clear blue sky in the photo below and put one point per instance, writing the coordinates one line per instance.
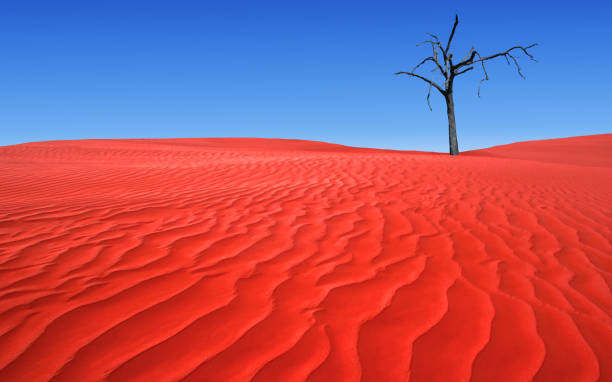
(318, 70)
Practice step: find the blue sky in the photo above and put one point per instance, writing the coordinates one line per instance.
(318, 70)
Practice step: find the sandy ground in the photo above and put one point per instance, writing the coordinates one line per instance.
(276, 260)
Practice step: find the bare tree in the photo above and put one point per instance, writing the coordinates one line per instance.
(443, 64)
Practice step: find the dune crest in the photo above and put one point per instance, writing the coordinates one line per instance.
(261, 259)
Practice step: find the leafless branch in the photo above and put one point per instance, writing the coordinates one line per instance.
(427, 42)
(434, 44)
(518, 68)
(433, 35)
(435, 61)
(469, 60)
(428, 94)
(430, 82)
(435, 57)
(450, 38)
(438, 44)
(484, 70)
(468, 57)
(505, 54)
(464, 70)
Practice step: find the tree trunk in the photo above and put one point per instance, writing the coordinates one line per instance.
(452, 128)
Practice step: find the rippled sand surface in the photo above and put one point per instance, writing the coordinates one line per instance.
(279, 260)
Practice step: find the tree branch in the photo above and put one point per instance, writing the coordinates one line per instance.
(469, 57)
(486, 75)
(451, 35)
(433, 35)
(435, 61)
(438, 44)
(465, 70)
(518, 68)
(505, 54)
(427, 42)
(450, 71)
(430, 82)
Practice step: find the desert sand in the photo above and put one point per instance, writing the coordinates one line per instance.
(282, 260)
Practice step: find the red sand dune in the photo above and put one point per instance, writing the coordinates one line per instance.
(280, 260)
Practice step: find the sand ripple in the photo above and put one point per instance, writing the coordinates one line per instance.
(272, 260)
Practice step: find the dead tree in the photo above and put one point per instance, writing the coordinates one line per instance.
(443, 64)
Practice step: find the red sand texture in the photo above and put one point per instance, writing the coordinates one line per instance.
(279, 260)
